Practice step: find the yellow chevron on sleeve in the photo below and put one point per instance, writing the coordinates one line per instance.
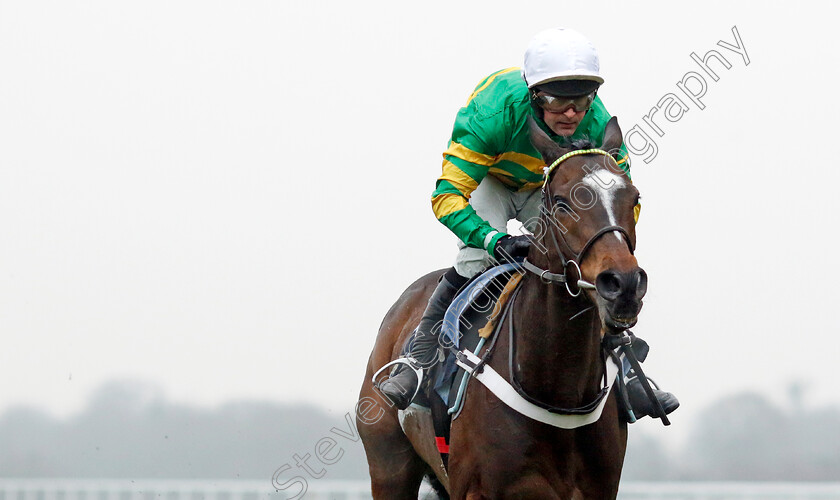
(447, 203)
(455, 176)
(469, 155)
(488, 82)
(533, 164)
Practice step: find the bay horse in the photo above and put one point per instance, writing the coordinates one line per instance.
(586, 235)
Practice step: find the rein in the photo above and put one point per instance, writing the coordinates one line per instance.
(509, 390)
(580, 410)
(548, 277)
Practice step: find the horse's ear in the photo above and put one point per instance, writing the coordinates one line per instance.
(549, 149)
(612, 137)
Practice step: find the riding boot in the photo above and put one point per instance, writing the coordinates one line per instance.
(639, 400)
(641, 403)
(422, 350)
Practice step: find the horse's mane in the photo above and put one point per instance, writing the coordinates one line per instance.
(577, 144)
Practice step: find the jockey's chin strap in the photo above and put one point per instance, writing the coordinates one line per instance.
(573, 282)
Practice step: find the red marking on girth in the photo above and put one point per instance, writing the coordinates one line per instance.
(441, 445)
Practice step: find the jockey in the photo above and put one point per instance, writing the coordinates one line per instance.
(492, 173)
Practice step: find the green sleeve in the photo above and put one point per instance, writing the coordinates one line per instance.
(475, 142)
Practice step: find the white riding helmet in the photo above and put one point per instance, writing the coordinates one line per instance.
(560, 54)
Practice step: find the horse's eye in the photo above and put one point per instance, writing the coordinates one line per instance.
(559, 200)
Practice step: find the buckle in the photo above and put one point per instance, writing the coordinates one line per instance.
(616, 340)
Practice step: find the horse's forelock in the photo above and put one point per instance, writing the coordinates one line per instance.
(578, 144)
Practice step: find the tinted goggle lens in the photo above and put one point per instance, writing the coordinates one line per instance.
(554, 104)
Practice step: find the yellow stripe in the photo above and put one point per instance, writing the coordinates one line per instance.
(447, 203)
(535, 165)
(469, 155)
(455, 176)
(504, 177)
(637, 210)
(531, 185)
(488, 82)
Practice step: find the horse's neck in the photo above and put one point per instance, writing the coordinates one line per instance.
(557, 356)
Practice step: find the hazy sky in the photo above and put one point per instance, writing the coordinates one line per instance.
(224, 198)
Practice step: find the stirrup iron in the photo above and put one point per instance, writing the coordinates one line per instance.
(410, 363)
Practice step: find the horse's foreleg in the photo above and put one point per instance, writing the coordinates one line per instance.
(396, 470)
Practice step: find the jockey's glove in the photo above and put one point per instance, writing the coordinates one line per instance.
(508, 248)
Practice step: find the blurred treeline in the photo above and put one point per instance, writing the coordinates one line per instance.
(130, 431)
(745, 437)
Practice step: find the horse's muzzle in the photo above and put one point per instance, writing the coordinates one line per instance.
(620, 294)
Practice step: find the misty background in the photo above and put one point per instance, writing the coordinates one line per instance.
(129, 430)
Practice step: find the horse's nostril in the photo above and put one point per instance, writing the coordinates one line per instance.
(608, 285)
(641, 283)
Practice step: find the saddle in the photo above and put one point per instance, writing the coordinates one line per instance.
(469, 322)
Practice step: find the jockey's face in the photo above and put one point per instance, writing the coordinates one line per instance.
(563, 123)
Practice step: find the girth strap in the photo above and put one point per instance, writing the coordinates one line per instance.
(509, 396)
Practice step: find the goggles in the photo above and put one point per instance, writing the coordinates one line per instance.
(554, 104)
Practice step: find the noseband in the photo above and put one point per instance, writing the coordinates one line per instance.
(576, 258)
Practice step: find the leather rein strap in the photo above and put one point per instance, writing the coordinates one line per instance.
(581, 410)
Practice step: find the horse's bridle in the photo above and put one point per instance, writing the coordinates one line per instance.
(577, 257)
(548, 277)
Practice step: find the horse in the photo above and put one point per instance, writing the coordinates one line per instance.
(583, 283)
